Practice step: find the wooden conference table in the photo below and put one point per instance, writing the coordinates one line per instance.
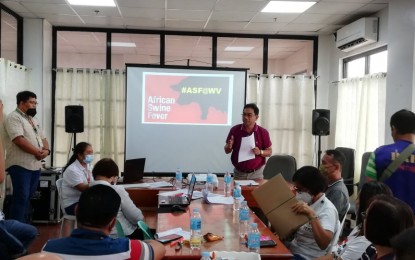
(218, 219)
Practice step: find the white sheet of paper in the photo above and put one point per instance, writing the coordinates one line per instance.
(160, 184)
(247, 182)
(245, 152)
(135, 185)
(220, 200)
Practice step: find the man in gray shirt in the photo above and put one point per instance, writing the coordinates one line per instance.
(331, 166)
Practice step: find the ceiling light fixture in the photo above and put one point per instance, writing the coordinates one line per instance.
(123, 44)
(110, 3)
(286, 7)
(238, 48)
(225, 62)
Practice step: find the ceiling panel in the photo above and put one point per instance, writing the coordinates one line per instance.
(228, 16)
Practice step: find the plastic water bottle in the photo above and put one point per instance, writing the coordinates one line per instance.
(237, 197)
(227, 179)
(205, 256)
(178, 179)
(254, 238)
(243, 219)
(195, 230)
(209, 182)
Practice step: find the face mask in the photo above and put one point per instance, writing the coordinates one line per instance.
(31, 112)
(88, 158)
(323, 170)
(303, 196)
(114, 181)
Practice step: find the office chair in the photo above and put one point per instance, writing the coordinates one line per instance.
(348, 168)
(65, 217)
(280, 163)
(362, 180)
(120, 231)
(147, 233)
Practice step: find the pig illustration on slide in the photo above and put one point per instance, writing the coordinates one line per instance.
(212, 91)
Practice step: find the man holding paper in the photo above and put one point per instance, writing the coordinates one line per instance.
(250, 145)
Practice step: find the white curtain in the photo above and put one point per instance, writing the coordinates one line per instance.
(13, 79)
(286, 104)
(360, 115)
(102, 94)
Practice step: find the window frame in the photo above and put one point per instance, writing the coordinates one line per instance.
(365, 55)
(19, 40)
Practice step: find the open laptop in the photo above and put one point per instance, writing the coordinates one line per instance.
(134, 170)
(184, 201)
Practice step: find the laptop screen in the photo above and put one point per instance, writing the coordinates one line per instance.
(134, 169)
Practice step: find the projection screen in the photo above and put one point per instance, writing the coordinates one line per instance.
(179, 117)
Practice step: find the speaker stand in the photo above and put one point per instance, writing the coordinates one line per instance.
(74, 141)
(319, 151)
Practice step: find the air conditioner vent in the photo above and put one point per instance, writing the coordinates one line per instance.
(357, 34)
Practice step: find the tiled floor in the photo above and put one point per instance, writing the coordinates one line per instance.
(46, 231)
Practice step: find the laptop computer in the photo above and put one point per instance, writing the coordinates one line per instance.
(134, 170)
(184, 201)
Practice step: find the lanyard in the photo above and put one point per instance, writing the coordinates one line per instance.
(87, 175)
(38, 139)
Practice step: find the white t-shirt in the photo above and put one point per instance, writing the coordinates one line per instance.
(354, 247)
(304, 243)
(73, 175)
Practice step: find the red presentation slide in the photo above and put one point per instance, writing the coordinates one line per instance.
(195, 99)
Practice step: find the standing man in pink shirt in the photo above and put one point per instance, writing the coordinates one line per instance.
(253, 168)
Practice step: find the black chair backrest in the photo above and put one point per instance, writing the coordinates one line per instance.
(348, 168)
(284, 164)
(365, 160)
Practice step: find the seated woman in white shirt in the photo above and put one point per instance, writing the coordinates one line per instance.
(106, 172)
(76, 176)
(313, 239)
(356, 246)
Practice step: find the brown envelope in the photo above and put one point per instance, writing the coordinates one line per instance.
(275, 199)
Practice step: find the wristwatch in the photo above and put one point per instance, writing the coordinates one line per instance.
(262, 152)
(48, 151)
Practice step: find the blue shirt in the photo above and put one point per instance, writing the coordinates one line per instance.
(87, 244)
(402, 181)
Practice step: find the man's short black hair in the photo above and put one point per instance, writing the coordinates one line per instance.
(403, 121)
(337, 156)
(97, 206)
(24, 96)
(404, 245)
(311, 178)
(105, 167)
(254, 107)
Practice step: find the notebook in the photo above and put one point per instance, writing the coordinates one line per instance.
(134, 170)
(168, 201)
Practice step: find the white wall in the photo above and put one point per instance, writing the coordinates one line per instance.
(400, 79)
(330, 62)
(37, 55)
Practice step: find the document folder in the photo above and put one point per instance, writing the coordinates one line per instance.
(276, 199)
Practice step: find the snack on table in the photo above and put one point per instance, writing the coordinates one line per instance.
(209, 237)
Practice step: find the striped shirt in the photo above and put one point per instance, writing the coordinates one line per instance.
(87, 245)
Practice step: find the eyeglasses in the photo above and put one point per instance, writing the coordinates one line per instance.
(247, 114)
(33, 102)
